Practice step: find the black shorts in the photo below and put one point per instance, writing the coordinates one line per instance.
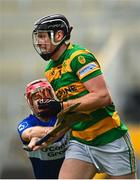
(46, 169)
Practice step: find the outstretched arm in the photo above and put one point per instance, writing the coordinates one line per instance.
(36, 131)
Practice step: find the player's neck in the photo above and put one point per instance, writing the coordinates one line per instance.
(61, 50)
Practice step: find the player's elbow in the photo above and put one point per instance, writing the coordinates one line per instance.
(106, 99)
(26, 135)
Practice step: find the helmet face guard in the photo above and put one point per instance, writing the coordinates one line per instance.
(51, 24)
(45, 52)
(41, 87)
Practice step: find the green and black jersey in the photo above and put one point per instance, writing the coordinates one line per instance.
(75, 66)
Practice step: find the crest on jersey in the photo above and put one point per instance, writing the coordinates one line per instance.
(22, 126)
(81, 59)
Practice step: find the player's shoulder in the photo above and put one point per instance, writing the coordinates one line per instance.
(80, 54)
(29, 119)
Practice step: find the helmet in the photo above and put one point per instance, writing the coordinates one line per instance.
(51, 24)
(39, 85)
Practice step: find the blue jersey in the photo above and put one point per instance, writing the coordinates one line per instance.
(47, 161)
(32, 121)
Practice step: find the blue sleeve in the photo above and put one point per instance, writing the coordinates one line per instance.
(24, 124)
(32, 121)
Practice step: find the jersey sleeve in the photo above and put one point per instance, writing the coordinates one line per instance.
(32, 121)
(22, 126)
(25, 124)
(85, 66)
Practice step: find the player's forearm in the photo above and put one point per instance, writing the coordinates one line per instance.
(91, 101)
(37, 131)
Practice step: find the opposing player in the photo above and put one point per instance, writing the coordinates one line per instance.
(102, 143)
(46, 162)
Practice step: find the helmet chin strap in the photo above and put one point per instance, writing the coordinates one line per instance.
(47, 56)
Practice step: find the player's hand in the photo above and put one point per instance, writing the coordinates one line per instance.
(32, 145)
(49, 107)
